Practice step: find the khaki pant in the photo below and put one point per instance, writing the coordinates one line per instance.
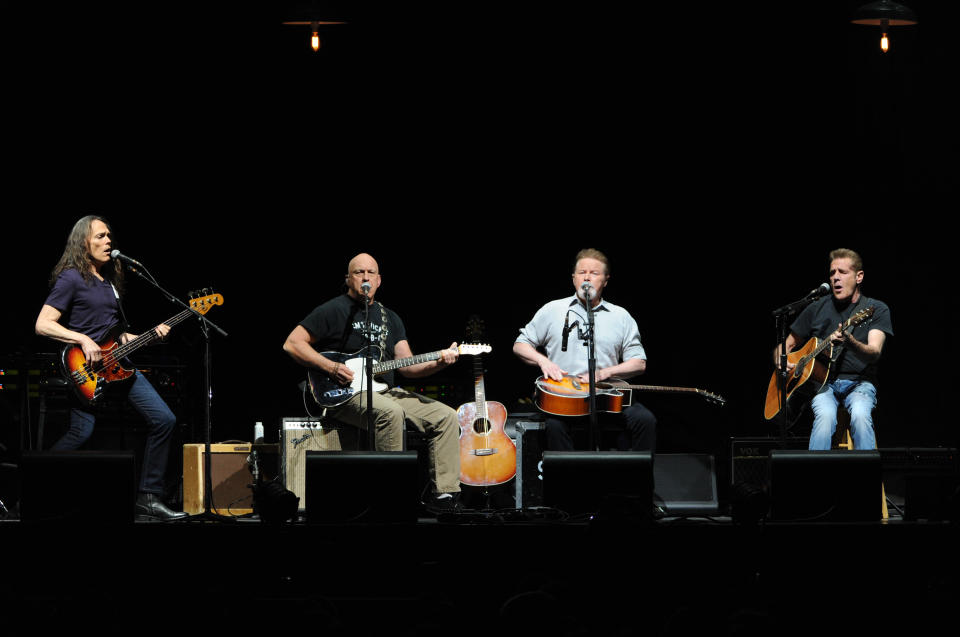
(391, 410)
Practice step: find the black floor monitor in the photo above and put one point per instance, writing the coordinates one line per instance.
(616, 483)
(88, 487)
(361, 486)
(825, 486)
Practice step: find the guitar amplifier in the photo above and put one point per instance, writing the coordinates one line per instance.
(299, 435)
(749, 458)
(230, 478)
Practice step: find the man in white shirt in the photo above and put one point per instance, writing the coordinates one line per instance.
(619, 353)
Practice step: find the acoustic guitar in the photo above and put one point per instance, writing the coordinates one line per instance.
(89, 380)
(812, 370)
(570, 397)
(487, 455)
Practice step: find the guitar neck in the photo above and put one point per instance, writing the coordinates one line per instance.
(386, 366)
(479, 392)
(823, 344)
(150, 336)
(659, 388)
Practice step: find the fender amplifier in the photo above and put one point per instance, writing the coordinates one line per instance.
(230, 477)
(299, 435)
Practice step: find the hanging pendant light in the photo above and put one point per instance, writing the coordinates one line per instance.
(884, 14)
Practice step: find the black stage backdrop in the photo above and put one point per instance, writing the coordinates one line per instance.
(715, 158)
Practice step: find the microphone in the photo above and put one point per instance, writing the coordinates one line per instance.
(566, 331)
(366, 288)
(587, 291)
(823, 290)
(116, 254)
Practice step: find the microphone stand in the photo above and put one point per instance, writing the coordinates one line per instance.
(368, 370)
(592, 374)
(205, 325)
(780, 315)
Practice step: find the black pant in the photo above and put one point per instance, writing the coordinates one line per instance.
(639, 423)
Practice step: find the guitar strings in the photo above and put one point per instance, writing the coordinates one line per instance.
(112, 357)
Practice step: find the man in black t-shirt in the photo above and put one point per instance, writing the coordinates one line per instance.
(338, 326)
(853, 373)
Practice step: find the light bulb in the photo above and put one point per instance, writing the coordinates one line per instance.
(315, 41)
(884, 43)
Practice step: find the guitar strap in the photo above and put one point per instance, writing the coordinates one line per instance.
(383, 327)
(838, 351)
(123, 317)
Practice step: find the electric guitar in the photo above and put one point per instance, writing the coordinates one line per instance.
(570, 397)
(812, 368)
(328, 392)
(89, 380)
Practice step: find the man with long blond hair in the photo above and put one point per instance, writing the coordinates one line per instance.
(83, 308)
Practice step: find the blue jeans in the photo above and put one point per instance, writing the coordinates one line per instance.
(160, 422)
(859, 398)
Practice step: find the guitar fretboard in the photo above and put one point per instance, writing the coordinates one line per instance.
(386, 366)
(146, 338)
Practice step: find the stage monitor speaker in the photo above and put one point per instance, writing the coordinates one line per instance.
(685, 483)
(528, 483)
(230, 474)
(362, 486)
(299, 435)
(597, 482)
(928, 478)
(819, 486)
(88, 487)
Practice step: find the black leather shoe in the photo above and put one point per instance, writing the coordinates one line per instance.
(149, 506)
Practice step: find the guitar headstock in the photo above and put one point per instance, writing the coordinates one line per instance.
(716, 399)
(202, 300)
(476, 331)
(861, 316)
(472, 349)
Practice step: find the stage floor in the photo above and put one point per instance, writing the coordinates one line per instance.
(479, 573)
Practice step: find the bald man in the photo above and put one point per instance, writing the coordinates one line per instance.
(338, 326)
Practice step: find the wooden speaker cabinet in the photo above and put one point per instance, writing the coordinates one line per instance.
(231, 479)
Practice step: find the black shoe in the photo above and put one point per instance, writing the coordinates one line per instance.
(149, 506)
(443, 503)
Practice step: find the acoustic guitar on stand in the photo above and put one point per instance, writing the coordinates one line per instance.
(90, 379)
(812, 368)
(571, 397)
(487, 455)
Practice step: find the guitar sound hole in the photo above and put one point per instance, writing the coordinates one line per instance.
(481, 426)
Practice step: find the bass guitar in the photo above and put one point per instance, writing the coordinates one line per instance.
(487, 455)
(812, 368)
(570, 397)
(89, 380)
(327, 392)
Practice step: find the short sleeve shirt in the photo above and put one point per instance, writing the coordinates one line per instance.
(88, 307)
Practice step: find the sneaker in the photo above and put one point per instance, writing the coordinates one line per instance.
(443, 502)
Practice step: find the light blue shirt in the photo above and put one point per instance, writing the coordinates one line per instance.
(617, 336)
